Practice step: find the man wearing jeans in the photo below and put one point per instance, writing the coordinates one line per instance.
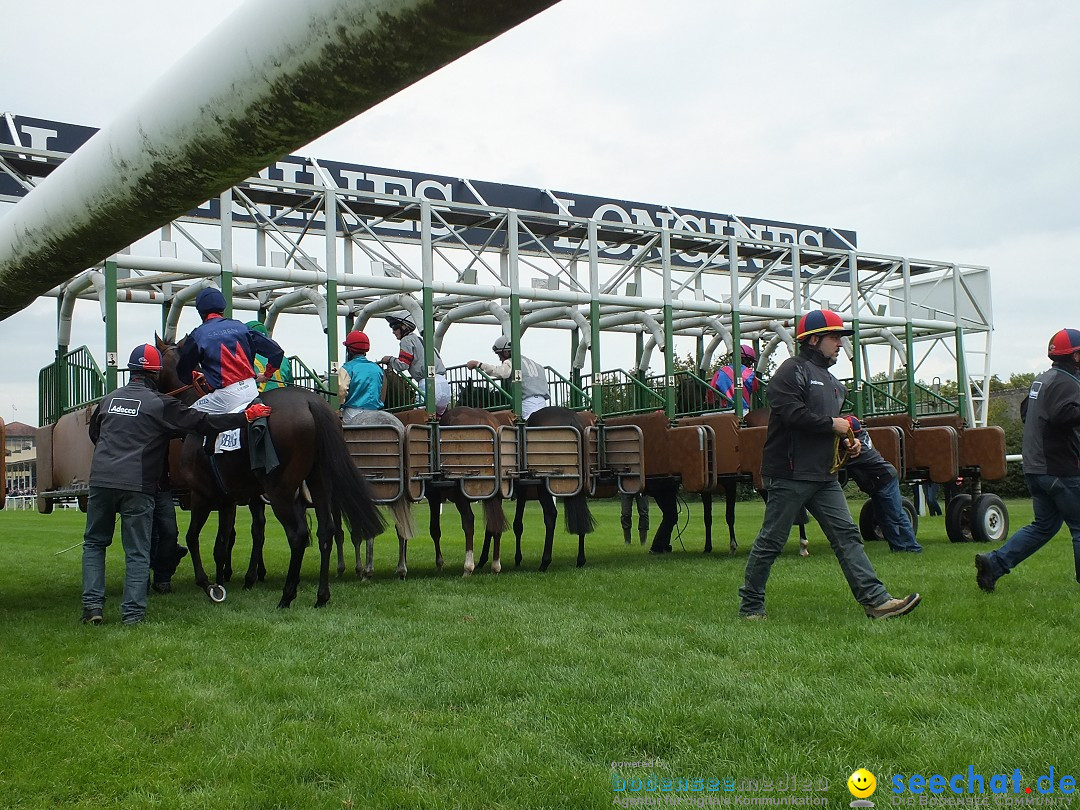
(878, 479)
(798, 468)
(131, 429)
(1051, 449)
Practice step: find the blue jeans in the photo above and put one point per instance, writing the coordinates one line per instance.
(1056, 501)
(136, 510)
(890, 514)
(825, 501)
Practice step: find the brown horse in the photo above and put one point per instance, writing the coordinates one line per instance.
(307, 437)
(494, 518)
(578, 518)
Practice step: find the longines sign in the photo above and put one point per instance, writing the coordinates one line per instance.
(34, 133)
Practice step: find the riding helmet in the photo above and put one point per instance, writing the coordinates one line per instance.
(1064, 343)
(819, 322)
(357, 341)
(145, 358)
(501, 344)
(210, 300)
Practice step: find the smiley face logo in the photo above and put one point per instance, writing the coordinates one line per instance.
(861, 783)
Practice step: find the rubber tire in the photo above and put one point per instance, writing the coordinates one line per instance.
(868, 524)
(869, 527)
(44, 505)
(912, 514)
(958, 519)
(989, 519)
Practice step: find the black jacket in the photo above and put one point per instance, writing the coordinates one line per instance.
(803, 399)
(1051, 415)
(131, 430)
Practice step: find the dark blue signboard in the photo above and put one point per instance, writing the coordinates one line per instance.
(54, 136)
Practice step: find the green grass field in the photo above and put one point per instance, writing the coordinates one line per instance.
(521, 690)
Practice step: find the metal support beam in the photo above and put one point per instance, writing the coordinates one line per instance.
(271, 78)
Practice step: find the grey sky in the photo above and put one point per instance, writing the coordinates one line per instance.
(935, 130)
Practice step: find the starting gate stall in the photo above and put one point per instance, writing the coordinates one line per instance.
(347, 243)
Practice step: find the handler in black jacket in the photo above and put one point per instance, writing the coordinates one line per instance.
(797, 468)
(131, 431)
(1051, 414)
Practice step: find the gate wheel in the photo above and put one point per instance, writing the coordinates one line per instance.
(958, 519)
(989, 519)
(868, 523)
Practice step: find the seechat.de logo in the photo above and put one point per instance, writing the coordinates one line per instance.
(862, 785)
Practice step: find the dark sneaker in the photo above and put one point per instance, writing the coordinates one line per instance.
(894, 607)
(984, 573)
(92, 616)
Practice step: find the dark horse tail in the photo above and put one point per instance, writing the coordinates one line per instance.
(348, 489)
(579, 519)
(494, 517)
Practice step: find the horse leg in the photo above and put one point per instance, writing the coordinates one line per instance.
(435, 502)
(804, 544)
(339, 541)
(706, 505)
(665, 497)
(402, 567)
(730, 493)
(468, 525)
(226, 536)
(200, 513)
(290, 514)
(256, 571)
(369, 559)
(326, 528)
(519, 525)
(551, 516)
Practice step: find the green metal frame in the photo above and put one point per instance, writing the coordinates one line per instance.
(71, 382)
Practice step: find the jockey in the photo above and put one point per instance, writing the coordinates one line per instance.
(226, 350)
(360, 381)
(723, 382)
(411, 358)
(534, 387)
(277, 379)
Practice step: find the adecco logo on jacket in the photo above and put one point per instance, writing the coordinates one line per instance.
(125, 407)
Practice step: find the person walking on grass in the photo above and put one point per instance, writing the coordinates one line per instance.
(804, 447)
(1051, 449)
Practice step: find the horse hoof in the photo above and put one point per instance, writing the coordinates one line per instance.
(248, 585)
(496, 568)
(544, 566)
(320, 603)
(216, 593)
(804, 553)
(284, 604)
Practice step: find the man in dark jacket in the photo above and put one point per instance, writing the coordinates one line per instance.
(798, 467)
(1051, 449)
(131, 430)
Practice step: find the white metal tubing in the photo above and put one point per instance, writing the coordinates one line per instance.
(271, 78)
(287, 300)
(467, 311)
(67, 305)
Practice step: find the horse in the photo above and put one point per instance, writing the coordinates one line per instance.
(307, 437)
(400, 508)
(494, 518)
(578, 518)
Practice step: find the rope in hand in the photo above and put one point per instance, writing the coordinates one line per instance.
(842, 445)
